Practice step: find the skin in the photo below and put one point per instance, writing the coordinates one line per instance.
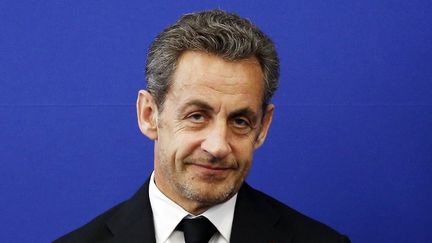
(211, 123)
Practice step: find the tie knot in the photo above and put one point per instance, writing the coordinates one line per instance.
(197, 230)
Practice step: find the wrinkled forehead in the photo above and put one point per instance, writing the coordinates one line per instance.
(195, 69)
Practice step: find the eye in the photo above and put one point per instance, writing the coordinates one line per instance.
(241, 125)
(196, 117)
(239, 122)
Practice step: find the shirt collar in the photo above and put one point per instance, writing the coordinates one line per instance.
(167, 214)
(222, 216)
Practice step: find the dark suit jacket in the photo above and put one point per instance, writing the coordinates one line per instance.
(258, 218)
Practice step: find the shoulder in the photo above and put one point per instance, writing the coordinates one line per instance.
(94, 231)
(116, 222)
(302, 228)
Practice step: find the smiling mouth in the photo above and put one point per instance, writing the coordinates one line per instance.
(210, 171)
(212, 167)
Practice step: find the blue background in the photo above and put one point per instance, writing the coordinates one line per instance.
(351, 142)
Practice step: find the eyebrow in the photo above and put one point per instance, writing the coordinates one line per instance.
(248, 112)
(205, 106)
(196, 103)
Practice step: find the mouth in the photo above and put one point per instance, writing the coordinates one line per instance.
(209, 167)
(210, 171)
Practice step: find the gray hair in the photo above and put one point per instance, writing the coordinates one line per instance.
(216, 32)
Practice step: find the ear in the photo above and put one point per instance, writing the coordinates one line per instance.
(265, 125)
(147, 114)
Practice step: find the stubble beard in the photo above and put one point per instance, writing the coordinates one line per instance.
(204, 191)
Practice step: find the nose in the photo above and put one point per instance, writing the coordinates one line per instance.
(216, 143)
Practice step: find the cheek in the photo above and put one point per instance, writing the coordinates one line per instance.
(244, 152)
(184, 144)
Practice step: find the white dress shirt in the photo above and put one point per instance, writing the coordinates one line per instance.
(167, 215)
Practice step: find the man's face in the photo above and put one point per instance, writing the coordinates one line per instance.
(210, 125)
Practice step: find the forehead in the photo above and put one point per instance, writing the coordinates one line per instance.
(210, 75)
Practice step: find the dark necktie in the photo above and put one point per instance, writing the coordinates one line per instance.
(197, 230)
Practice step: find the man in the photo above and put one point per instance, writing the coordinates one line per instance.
(210, 79)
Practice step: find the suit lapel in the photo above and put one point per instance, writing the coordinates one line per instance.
(255, 220)
(134, 221)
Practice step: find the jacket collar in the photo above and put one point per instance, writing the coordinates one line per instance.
(134, 220)
(254, 219)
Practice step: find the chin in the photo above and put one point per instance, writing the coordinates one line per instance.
(209, 194)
